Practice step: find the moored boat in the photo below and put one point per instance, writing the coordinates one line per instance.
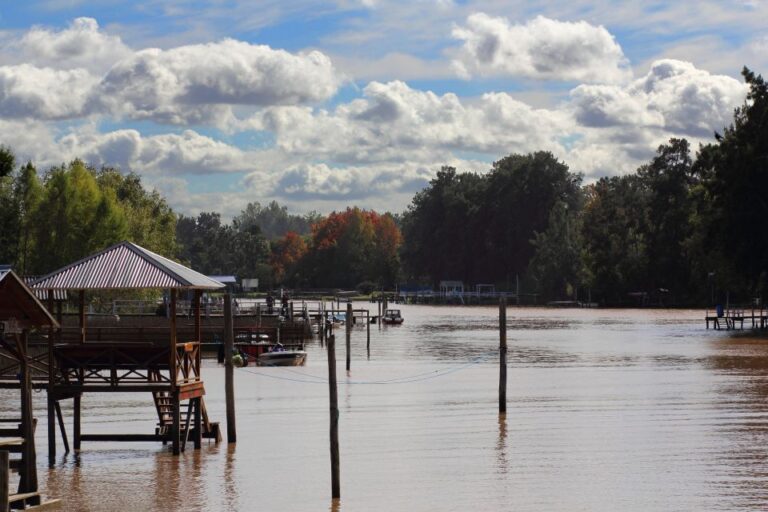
(279, 356)
(392, 316)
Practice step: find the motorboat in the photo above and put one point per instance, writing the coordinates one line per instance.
(278, 355)
(392, 316)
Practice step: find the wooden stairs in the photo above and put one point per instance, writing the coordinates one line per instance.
(164, 406)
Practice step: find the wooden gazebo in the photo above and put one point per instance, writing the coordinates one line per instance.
(20, 311)
(127, 359)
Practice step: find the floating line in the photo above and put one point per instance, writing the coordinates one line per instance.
(419, 377)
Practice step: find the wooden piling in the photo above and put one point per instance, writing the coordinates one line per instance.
(349, 335)
(368, 332)
(334, 410)
(51, 381)
(5, 473)
(502, 355)
(229, 345)
(76, 414)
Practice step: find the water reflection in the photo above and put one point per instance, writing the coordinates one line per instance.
(501, 445)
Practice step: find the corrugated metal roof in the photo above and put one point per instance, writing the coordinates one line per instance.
(125, 266)
(58, 295)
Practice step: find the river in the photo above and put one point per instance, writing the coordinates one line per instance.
(630, 410)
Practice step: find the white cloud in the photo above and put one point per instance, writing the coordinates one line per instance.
(81, 45)
(198, 83)
(43, 93)
(396, 123)
(543, 48)
(674, 96)
(185, 153)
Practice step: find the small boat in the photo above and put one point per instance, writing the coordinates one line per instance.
(277, 355)
(392, 316)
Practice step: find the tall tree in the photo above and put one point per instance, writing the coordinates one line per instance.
(74, 218)
(732, 204)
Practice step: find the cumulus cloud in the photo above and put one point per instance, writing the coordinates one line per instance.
(185, 153)
(396, 123)
(543, 48)
(198, 83)
(308, 181)
(674, 96)
(81, 45)
(43, 93)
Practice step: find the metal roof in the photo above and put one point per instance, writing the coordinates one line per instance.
(224, 279)
(17, 301)
(125, 266)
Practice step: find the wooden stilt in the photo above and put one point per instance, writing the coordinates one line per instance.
(5, 473)
(176, 426)
(229, 341)
(28, 472)
(198, 422)
(334, 410)
(77, 414)
(62, 427)
(51, 380)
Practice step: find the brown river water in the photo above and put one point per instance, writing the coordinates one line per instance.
(608, 410)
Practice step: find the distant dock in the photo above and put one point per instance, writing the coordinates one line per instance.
(730, 318)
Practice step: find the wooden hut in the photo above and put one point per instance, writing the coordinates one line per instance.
(127, 360)
(20, 311)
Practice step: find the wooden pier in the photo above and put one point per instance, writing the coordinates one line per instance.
(736, 317)
(169, 370)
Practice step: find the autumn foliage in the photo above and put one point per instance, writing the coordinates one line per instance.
(347, 248)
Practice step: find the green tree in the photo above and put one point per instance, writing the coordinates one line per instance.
(731, 201)
(74, 218)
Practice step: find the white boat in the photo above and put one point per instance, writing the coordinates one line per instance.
(392, 316)
(278, 356)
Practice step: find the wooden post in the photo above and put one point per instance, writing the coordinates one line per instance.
(503, 355)
(81, 315)
(28, 472)
(334, 410)
(229, 345)
(5, 474)
(76, 413)
(368, 332)
(62, 427)
(51, 381)
(176, 425)
(349, 335)
(198, 422)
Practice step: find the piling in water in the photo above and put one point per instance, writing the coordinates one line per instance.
(229, 345)
(502, 355)
(349, 335)
(334, 410)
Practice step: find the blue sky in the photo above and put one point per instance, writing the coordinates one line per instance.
(321, 105)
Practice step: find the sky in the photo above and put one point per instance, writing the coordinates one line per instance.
(324, 105)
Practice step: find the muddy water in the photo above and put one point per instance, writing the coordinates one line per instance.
(608, 410)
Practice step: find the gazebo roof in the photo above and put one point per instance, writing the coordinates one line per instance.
(17, 301)
(125, 266)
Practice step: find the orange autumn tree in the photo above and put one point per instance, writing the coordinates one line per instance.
(352, 247)
(287, 253)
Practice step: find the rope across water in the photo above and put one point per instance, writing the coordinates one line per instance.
(313, 379)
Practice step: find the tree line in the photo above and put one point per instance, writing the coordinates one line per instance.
(680, 229)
